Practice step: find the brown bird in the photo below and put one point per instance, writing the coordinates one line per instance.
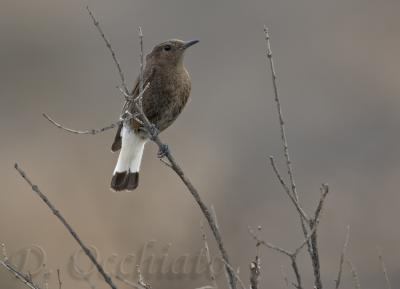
(164, 99)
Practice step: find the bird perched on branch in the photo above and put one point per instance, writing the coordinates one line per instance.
(166, 95)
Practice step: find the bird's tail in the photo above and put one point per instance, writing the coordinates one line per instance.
(126, 172)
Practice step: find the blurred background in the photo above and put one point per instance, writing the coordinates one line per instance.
(338, 75)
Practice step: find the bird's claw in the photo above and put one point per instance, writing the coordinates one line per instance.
(163, 151)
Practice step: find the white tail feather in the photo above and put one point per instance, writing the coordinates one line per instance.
(131, 152)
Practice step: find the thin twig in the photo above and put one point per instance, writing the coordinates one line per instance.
(59, 279)
(4, 252)
(20, 276)
(354, 274)
(267, 244)
(384, 269)
(57, 213)
(108, 44)
(324, 194)
(279, 249)
(236, 275)
(141, 59)
(296, 271)
(88, 131)
(295, 201)
(208, 256)
(123, 118)
(280, 114)
(342, 258)
(129, 283)
(255, 270)
(285, 277)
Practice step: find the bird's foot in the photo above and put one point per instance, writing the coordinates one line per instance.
(125, 116)
(153, 131)
(163, 151)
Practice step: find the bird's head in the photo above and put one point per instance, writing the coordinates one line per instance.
(169, 52)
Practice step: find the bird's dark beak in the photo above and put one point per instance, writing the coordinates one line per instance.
(189, 43)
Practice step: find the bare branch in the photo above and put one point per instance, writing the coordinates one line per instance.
(20, 276)
(342, 258)
(57, 213)
(384, 269)
(108, 44)
(304, 221)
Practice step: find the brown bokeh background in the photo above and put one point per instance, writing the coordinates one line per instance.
(338, 69)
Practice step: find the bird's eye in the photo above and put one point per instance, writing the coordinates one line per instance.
(167, 47)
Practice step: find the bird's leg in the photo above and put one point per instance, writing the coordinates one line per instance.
(163, 151)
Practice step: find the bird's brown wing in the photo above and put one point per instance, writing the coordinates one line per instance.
(135, 92)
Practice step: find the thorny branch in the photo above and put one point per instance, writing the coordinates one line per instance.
(57, 213)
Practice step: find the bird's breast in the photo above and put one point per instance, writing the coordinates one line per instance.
(168, 94)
